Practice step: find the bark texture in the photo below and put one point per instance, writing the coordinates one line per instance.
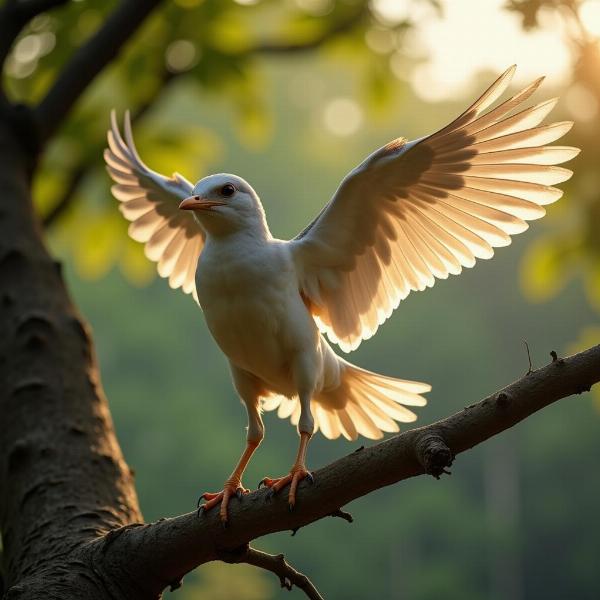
(63, 480)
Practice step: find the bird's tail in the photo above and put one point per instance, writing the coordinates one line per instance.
(362, 403)
(367, 403)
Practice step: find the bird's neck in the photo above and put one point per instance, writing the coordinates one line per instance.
(250, 233)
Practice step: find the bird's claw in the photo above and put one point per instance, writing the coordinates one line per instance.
(231, 488)
(296, 475)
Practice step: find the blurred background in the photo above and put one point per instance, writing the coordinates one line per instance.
(291, 95)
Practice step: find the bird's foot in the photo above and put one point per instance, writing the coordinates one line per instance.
(295, 476)
(232, 487)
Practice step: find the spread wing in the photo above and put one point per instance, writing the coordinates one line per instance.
(172, 237)
(416, 211)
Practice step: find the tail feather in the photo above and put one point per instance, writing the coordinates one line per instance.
(364, 403)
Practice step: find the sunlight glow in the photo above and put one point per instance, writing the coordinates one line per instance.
(589, 12)
(581, 103)
(453, 59)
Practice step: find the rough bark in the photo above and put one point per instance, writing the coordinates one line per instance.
(63, 479)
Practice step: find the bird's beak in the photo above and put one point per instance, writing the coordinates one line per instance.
(199, 203)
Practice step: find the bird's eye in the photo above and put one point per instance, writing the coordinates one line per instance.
(227, 190)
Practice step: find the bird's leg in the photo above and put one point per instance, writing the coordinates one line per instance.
(233, 485)
(297, 473)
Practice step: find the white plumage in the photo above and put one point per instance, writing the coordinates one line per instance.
(411, 213)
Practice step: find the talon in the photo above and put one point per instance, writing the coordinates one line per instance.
(291, 507)
(310, 478)
(225, 523)
(261, 483)
(239, 493)
(200, 511)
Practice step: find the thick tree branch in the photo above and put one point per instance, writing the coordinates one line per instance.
(171, 547)
(87, 62)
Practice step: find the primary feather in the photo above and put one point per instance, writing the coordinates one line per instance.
(416, 211)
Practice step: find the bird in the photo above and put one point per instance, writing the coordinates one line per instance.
(411, 213)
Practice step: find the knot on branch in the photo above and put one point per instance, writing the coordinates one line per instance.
(434, 454)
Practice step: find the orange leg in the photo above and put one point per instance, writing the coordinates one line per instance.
(232, 487)
(297, 473)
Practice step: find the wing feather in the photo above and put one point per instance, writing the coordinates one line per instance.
(414, 212)
(150, 201)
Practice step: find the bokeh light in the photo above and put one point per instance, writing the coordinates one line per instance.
(342, 116)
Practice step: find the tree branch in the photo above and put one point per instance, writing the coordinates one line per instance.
(77, 175)
(344, 25)
(89, 61)
(276, 563)
(171, 547)
(60, 206)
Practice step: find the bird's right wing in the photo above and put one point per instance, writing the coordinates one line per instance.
(416, 211)
(172, 237)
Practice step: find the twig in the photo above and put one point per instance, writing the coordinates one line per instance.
(288, 576)
(530, 370)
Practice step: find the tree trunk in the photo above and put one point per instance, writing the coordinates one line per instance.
(63, 480)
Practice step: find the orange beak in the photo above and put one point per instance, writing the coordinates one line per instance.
(199, 203)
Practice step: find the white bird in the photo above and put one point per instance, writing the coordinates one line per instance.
(408, 214)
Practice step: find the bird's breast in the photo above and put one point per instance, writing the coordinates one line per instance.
(253, 309)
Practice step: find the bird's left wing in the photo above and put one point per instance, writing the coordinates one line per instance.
(416, 211)
(172, 237)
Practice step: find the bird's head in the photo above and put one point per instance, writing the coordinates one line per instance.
(225, 204)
